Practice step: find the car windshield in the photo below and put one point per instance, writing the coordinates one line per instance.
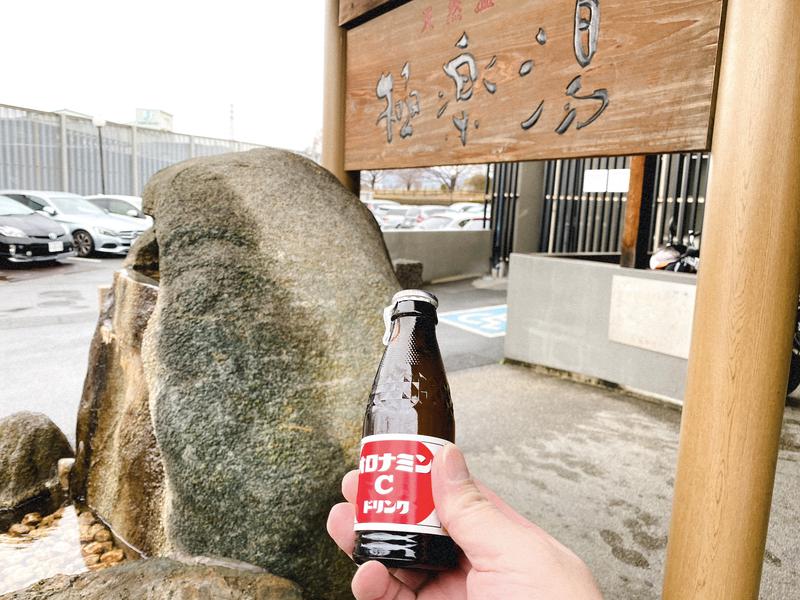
(9, 207)
(70, 205)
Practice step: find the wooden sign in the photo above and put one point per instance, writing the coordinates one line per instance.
(350, 10)
(470, 81)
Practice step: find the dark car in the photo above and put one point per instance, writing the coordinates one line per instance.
(27, 236)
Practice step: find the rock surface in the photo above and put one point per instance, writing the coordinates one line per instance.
(30, 447)
(409, 272)
(118, 470)
(260, 355)
(157, 579)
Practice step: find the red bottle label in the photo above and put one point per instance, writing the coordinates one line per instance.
(394, 484)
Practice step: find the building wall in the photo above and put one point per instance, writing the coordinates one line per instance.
(560, 315)
(443, 254)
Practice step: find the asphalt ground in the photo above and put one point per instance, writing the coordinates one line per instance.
(48, 314)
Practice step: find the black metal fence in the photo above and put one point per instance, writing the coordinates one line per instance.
(502, 191)
(578, 222)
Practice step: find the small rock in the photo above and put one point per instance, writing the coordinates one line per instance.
(104, 535)
(112, 557)
(19, 529)
(32, 519)
(64, 468)
(30, 446)
(91, 559)
(86, 536)
(47, 521)
(409, 272)
(59, 513)
(86, 519)
(96, 548)
(39, 532)
(95, 528)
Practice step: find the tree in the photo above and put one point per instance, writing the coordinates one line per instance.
(476, 183)
(372, 178)
(449, 176)
(409, 178)
(314, 151)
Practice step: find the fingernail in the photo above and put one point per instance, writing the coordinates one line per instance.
(454, 466)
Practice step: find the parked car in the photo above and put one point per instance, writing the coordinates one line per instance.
(431, 210)
(454, 221)
(468, 207)
(92, 229)
(397, 217)
(473, 224)
(27, 236)
(443, 221)
(377, 206)
(126, 206)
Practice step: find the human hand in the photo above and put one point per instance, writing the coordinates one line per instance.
(505, 556)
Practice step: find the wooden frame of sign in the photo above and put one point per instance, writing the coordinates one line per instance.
(430, 82)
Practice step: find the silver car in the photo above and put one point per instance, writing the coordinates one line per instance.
(127, 206)
(92, 228)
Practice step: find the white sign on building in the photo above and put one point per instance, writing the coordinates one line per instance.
(154, 119)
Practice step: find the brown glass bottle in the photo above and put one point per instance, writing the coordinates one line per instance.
(409, 417)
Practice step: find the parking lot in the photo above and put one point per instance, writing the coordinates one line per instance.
(47, 317)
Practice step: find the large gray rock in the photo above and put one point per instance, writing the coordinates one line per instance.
(118, 470)
(159, 578)
(30, 447)
(260, 355)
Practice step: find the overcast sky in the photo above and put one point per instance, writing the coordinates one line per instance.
(190, 58)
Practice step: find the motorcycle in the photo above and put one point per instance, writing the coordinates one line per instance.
(681, 258)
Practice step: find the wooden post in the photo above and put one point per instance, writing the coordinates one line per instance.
(334, 98)
(746, 301)
(636, 231)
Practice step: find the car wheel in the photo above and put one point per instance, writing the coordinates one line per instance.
(84, 243)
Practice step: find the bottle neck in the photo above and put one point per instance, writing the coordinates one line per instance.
(413, 329)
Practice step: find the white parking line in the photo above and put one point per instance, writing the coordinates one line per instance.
(91, 260)
(487, 321)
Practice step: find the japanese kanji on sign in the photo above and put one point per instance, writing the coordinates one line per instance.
(460, 81)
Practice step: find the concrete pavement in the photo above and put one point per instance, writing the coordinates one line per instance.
(595, 468)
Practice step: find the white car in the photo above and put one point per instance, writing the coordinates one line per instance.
(397, 217)
(454, 221)
(468, 207)
(92, 228)
(126, 206)
(379, 206)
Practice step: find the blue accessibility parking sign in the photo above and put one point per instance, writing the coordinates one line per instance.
(488, 321)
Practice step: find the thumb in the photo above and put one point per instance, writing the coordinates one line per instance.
(482, 532)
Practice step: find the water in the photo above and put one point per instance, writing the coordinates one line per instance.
(67, 545)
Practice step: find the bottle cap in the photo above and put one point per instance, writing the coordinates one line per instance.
(401, 296)
(415, 295)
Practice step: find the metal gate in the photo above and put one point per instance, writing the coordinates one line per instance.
(576, 222)
(503, 194)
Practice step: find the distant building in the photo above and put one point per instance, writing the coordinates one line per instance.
(73, 113)
(153, 119)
